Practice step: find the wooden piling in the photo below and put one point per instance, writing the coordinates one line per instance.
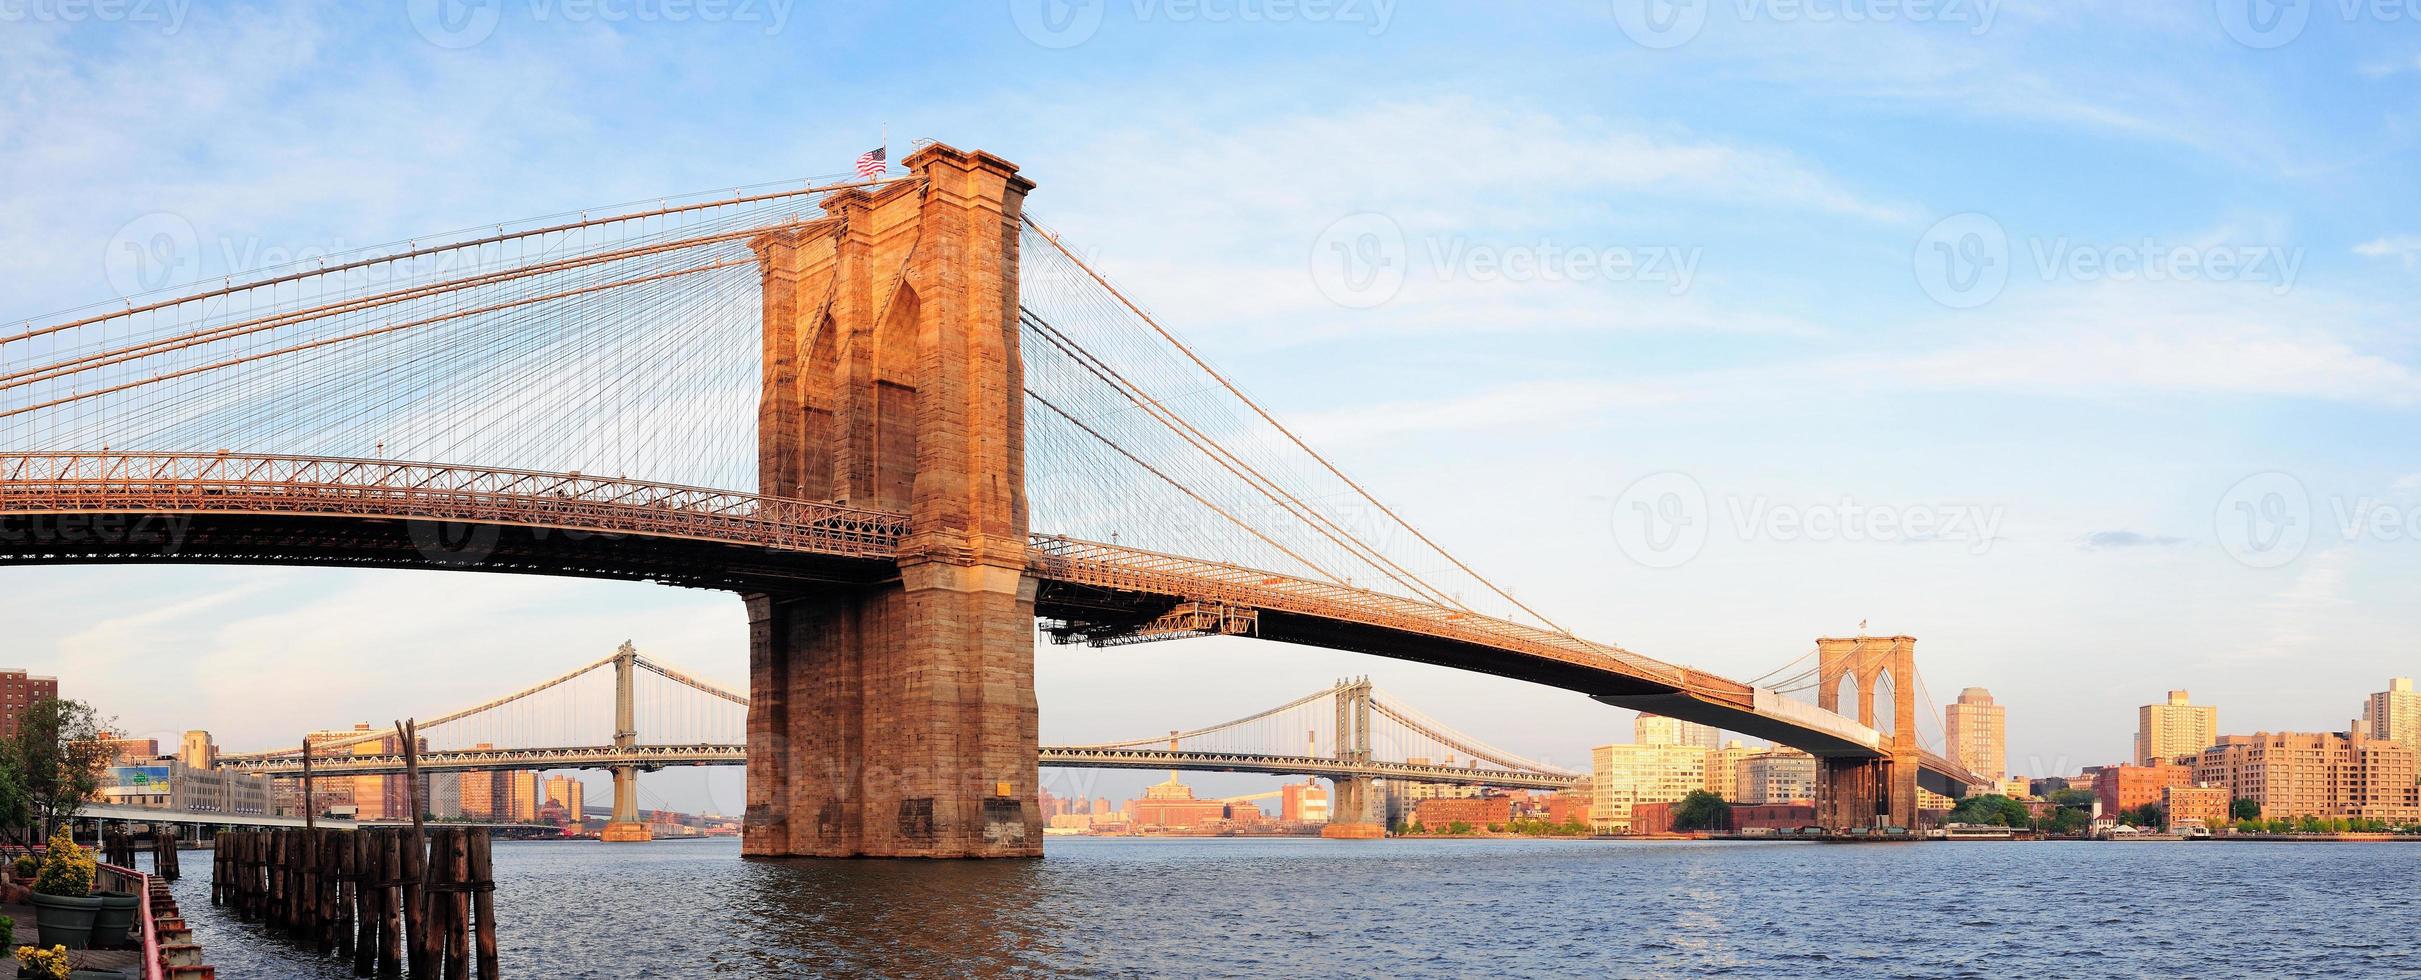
(481, 879)
(365, 904)
(391, 909)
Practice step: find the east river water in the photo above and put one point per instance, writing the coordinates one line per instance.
(1111, 907)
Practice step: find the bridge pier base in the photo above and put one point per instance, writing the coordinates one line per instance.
(625, 827)
(1353, 810)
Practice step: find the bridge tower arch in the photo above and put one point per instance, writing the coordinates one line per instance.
(1879, 792)
(898, 719)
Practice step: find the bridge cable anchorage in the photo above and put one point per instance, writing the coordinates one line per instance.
(1056, 243)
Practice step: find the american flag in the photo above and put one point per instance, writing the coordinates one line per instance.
(870, 164)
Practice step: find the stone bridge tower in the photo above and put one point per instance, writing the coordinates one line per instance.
(1869, 792)
(898, 718)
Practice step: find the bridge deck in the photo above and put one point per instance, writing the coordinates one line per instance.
(255, 508)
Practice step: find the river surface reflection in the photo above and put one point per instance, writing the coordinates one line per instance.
(1291, 907)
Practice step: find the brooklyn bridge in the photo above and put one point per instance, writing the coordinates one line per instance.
(902, 420)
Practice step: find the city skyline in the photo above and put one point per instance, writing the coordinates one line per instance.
(2081, 432)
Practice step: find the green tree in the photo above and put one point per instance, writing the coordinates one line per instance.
(1702, 810)
(2244, 809)
(57, 758)
(1458, 827)
(2069, 820)
(1991, 810)
(2072, 797)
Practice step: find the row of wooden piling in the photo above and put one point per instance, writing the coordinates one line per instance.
(381, 897)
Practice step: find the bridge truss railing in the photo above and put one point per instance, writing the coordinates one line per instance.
(241, 483)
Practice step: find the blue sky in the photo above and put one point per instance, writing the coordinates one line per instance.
(2116, 304)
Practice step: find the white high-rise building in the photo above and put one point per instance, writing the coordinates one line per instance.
(1978, 732)
(1625, 774)
(2395, 714)
(1659, 730)
(2177, 728)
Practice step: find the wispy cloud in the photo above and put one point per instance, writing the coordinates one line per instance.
(2119, 540)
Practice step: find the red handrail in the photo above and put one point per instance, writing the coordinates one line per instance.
(143, 920)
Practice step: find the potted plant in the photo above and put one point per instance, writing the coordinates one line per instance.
(63, 902)
(113, 920)
(25, 867)
(42, 964)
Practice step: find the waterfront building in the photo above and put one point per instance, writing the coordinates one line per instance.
(2395, 714)
(1437, 813)
(1650, 729)
(524, 797)
(130, 751)
(1303, 802)
(2316, 774)
(482, 792)
(1172, 805)
(2164, 732)
(1625, 775)
(197, 751)
(568, 792)
(2187, 807)
(1569, 806)
(2118, 789)
(1977, 731)
(169, 784)
(18, 691)
(327, 796)
(1723, 768)
(445, 795)
(1777, 776)
(2017, 787)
